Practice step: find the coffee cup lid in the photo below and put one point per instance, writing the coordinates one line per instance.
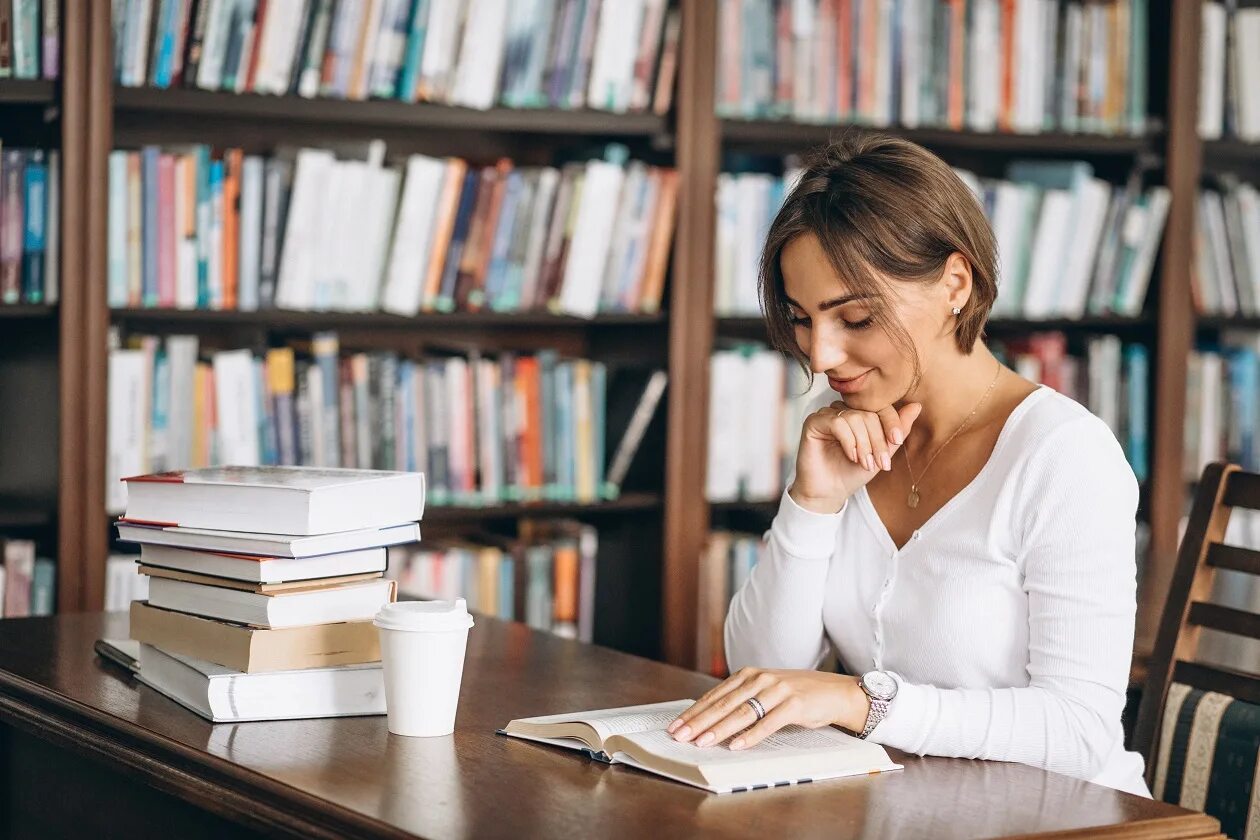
(425, 616)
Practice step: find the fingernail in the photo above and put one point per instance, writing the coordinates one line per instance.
(674, 725)
(683, 734)
(737, 744)
(870, 463)
(705, 740)
(898, 437)
(887, 462)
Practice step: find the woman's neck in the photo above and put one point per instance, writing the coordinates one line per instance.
(950, 389)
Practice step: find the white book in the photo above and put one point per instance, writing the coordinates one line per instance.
(612, 44)
(126, 424)
(1212, 71)
(301, 608)
(726, 371)
(302, 232)
(221, 695)
(1028, 79)
(382, 191)
(413, 235)
(1153, 217)
(440, 43)
(761, 423)
(1247, 73)
(481, 55)
(185, 242)
(250, 261)
(725, 239)
(281, 63)
(458, 424)
(277, 500)
(1008, 226)
(214, 47)
(1104, 380)
(636, 176)
(121, 581)
(117, 229)
(1092, 199)
(236, 399)
(588, 250)
(544, 197)
(490, 433)
(1049, 246)
(256, 568)
(1249, 205)
(637, 736)
(181, 351)
(266, 545)
(984, 83)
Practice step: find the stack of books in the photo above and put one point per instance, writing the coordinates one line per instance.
(263, 583)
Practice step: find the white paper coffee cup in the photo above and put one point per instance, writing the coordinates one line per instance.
(422, 650)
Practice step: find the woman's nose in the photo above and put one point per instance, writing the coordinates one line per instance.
(826, 352)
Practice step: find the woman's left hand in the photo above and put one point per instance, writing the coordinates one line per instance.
(806, 698)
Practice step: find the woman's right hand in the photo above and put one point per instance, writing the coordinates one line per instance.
(843, 448)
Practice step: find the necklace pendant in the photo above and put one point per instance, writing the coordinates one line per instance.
(913, 499)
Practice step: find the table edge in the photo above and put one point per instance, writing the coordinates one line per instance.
(214, 784)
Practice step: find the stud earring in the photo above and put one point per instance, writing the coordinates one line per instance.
(957, 311)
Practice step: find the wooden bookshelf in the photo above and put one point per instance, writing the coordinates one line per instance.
(94, 113)
(382, 113)
(626, 503)
(28, 310)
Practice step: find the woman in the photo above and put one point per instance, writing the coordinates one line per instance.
(961, 537)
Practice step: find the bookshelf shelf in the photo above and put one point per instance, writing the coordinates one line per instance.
(1229, 322)
(626, 503)
(26, 92)
(22, 513)
(28, 310)
(763, 506)
(771, 134)
(1230, 154)
(296, 320)
(383, 113)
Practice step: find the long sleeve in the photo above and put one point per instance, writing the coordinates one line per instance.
(1075, 526)
(776, 618)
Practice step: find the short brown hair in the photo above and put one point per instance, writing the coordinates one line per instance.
(881, 206)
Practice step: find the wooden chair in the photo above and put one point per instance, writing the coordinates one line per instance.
(1199, 725)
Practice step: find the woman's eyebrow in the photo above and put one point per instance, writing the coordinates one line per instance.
(832, 303)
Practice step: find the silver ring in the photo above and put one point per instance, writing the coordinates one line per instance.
(758, 709)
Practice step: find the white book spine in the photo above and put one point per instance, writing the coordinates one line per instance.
(237, 401)
(126, 424)
(589, 248)
(250, 236)
(302, 232)
(1212, 71)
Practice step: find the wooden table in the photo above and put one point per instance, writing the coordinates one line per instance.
(89, 752)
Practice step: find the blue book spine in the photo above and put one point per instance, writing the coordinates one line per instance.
(35, 231)
(534, 60)
(410, 75)
(204, 218)
(159, 419)
(463, 218)
(117, 289)
(496, 273)
(43, 587)
(164, 61)
(1137, 375)
(149, 189)
(566, 433)
(507, 587)
(1242, 375)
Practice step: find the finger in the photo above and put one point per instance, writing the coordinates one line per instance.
(891, 422)
(842, 432)
(775, 719)
(908, 414)
(722, 708)
(741, 719)
(879, 444)
(706, 701)
(862, 437)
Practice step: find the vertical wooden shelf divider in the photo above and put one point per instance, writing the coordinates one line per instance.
(690, 329)
(1175, 330)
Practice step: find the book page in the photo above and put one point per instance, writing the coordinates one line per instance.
(627, 719)
(787, 742)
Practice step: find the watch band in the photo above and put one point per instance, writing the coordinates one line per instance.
(877, 712)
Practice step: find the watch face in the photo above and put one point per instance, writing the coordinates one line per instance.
(879, 685)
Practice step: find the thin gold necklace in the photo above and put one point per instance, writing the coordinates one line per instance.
(913, 499)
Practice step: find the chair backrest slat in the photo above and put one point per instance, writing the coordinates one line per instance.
(1221, 680)
(1225, 619)
(1243, 490)
(1232, 557)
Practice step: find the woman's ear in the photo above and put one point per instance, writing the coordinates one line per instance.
(956, 280)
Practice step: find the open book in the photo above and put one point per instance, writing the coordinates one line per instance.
(636, 735)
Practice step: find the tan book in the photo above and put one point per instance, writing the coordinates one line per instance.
(637, 736)
(652, 283)
(251, 650)
(448, 205)
(252, 586)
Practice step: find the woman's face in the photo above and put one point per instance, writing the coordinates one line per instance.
(835, 328)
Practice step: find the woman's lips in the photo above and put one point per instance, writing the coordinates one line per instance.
(848, 386)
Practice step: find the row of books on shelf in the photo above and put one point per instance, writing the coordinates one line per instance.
(311, 229)
(1071, 244)
(30, 39)
(29, 225)
(545, 578)
(301, 603)
(727, 560)
(486, 430)
(758, 401)
(1225, 274)
(1229, 94)
(616, 56)
(1223, 404)
(980, 65)
(28, 583)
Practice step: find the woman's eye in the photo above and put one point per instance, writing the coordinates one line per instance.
(798, 320)
(860, 325)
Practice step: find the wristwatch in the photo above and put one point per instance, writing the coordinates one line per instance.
(881, 688)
